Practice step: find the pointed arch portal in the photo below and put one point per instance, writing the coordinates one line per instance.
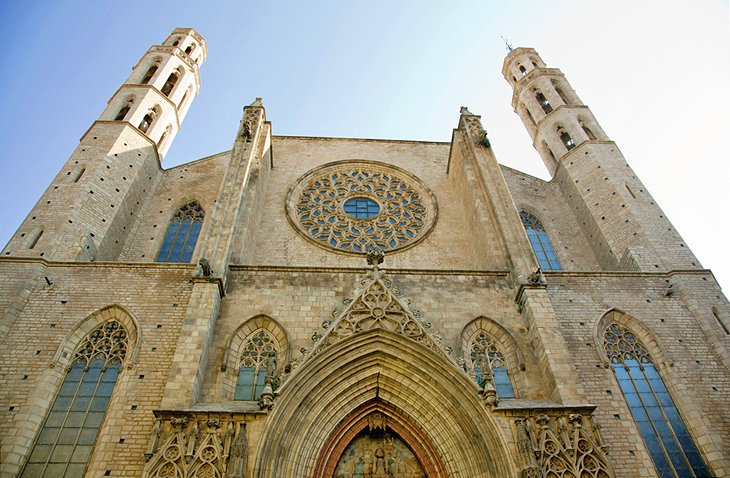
(387, 381)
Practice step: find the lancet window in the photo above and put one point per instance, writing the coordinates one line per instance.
(69, 432)
(170, 83)
(667, 439)
(544, 103)
(540, 242)
(150, 73)
(258, 358)
(182, 234)
(487, 359)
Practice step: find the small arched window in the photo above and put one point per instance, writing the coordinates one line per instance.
(257, 360)
(150, 73)
(487, 359)
(566, 139)
(69, 432)
(148, 119)
(540, 242)
(182, 234)
(560, 93)
(529, 116)
(185, 97)
(170, 83)
(190, 48)
(588, 132)
(164, 136)
(523, 70)
(666, 437)
(123, 111)
(176, 42)
(544, 103)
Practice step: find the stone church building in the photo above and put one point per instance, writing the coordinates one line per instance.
(303, 307)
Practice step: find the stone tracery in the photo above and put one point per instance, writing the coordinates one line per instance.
(402, 209)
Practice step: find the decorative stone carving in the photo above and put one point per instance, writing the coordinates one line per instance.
(561, 447)
(251, 119)
(377, 421)
(238, 462)
(376, 307)
(401, 210)
(473, 125)
(197, 447)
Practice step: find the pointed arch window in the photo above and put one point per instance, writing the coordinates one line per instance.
(487, 358)
(540, 242)
(258, 358)
(544, 103)
(182, 234)
(123, 111)
(69, 432)
(667, 439)
(150, 73)
(566, 139)
(170, 83)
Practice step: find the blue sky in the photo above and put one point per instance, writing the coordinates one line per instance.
(654, 73)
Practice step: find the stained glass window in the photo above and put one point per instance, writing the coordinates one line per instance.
(361, 208)
(487, 359)
(667, 439)
(540, 243)
(182, 234)
(258, 357)
(67, 438)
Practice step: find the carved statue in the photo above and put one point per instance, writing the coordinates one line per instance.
(203, 269)
(238, 463)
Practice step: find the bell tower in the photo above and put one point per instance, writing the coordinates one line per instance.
(88, 210)
(623, 223)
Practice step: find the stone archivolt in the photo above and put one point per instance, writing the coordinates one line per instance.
(189, 446)
(407, 209)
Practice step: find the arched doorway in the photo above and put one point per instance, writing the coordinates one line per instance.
(427, 402)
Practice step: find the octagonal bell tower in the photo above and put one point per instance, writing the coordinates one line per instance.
(623, 223)
(87, 212)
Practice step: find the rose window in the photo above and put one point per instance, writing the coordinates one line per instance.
(354, 205)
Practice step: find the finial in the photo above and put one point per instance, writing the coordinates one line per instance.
(509, 47)
(465, 111)
(258, 102)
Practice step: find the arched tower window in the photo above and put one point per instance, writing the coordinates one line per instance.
(185, 97)
(150, 73)
(588, 132)
(123, 111)
(523, 70)
(164, 136)
(69, 432)
(148, 119)
(257, 360)
(182, 234)
(544, 103)
(190, 48)
(170, 83)
(566, 139)
(540, 242)
(488, 361)
(560, 93)
(666, 437)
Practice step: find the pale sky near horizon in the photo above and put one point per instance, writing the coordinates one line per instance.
(654, 73)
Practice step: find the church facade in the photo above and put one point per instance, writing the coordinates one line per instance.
(332, 307)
